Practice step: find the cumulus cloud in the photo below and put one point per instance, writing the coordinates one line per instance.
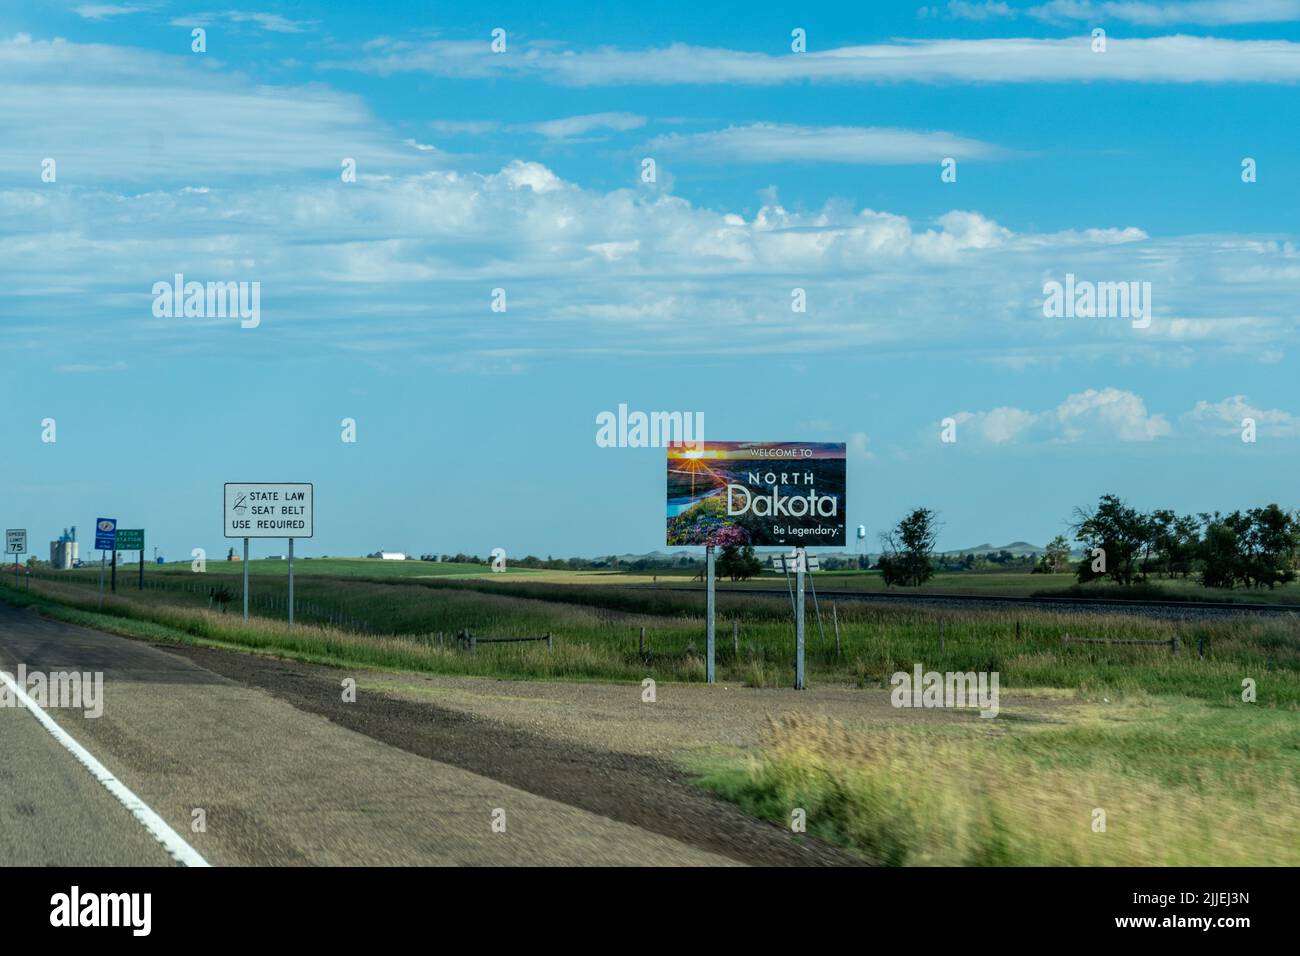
(628, 270)
(1225, 418)
(997, 426)
(1110, 414)
(1093, 415)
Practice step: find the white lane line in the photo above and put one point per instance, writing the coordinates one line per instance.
(177, 848)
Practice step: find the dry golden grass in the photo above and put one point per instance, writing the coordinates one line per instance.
(985, 796)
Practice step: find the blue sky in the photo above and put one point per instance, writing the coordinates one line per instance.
(522, 170)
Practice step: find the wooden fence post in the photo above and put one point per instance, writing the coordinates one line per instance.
(835, 618)
(641, 642)
(550, 643)
(735, 639)
(1174, 644)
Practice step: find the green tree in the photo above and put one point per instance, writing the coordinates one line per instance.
(1055, 558)
(738, 562)
(1123, 535)
(1257, 548)
(1221, 560)
(1271, 541)
(908, 549)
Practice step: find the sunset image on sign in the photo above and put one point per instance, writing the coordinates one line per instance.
(772, 492)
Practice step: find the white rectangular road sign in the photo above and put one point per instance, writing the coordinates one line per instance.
(15, 540)
(790, 562)
(268, 510)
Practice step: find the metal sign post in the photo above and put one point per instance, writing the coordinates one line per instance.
(800, 568)
(798, 561)
(245, 580)
(817, 611)
(105, 540)
(132, 539)
(291, 582)
(709, 633)
(16, 544)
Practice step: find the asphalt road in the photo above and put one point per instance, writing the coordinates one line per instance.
(285, 772)
(277, 785)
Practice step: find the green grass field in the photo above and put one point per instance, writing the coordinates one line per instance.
(976, 583)
(602, 625)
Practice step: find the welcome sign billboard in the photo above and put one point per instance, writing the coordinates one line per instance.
(776, 493)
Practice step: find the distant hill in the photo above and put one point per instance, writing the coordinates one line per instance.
(1017, 548)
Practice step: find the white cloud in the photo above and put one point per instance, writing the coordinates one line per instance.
(1096, 416)
(271, 22)
(103, 11)
(997, 426)
(572, 126)
(1207, 12)
(120, 114)
(234, 181)
(987, 10)
(613, 251)
(1109, 412)
(1163, 59)
(1225, 418)
(628, 270)
(422, 147)
(778, 143)
(1092, 416)
(563, 128)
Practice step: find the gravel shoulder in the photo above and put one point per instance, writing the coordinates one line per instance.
(597, 747)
